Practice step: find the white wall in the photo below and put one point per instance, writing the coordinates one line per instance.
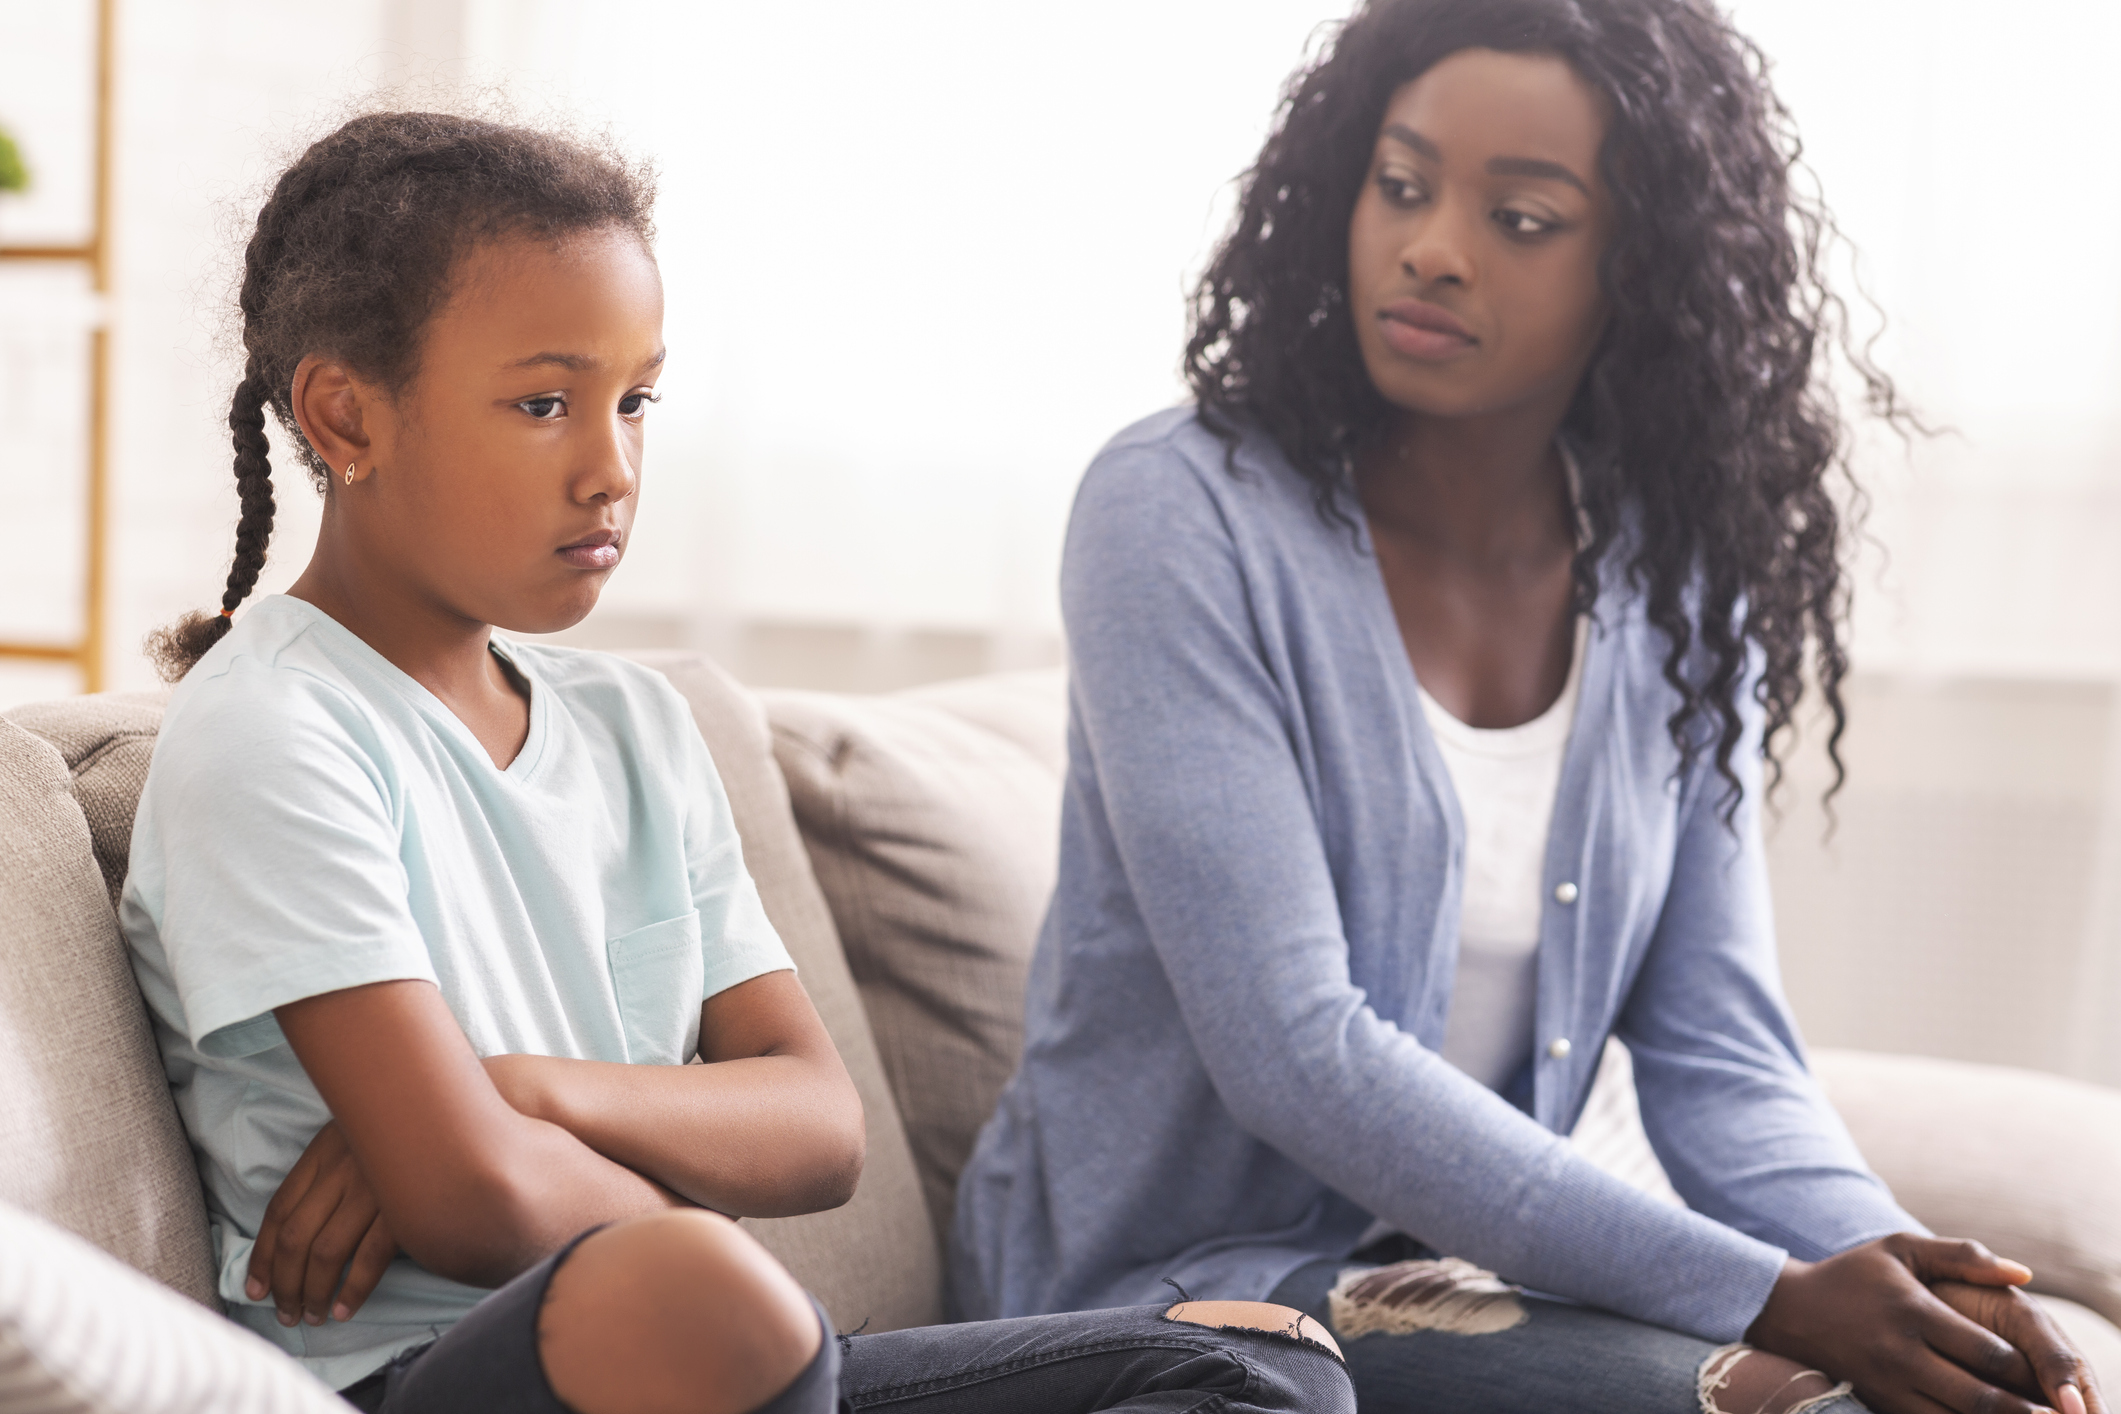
(923, 259)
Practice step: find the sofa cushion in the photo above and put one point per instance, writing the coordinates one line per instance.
(107, 741)
(2028, 1163)
(89, 1137)
(932, 819)
(874, 1260)
(83, 1334)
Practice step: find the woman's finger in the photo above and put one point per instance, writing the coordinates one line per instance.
(1934, 1259)
(2056, 1369)
(1969, 1331)
(370, 1260)
(333, 1247)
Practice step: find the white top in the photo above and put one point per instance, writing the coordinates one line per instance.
(314, 819)
(1506, 780)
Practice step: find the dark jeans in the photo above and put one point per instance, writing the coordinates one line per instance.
(1126, 1359)
(1562, 1358)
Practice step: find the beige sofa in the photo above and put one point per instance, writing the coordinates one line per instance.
(904, 846)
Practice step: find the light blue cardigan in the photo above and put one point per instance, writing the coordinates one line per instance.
(1235, 1006)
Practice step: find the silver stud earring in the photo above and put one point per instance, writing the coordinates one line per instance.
(349, 473)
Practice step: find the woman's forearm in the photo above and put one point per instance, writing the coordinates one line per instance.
(763, 1136)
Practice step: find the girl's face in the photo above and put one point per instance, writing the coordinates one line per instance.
(503, 478)
(1474, 249)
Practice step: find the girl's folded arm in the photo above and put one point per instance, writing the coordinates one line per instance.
(769, 1126)
(471, 1188)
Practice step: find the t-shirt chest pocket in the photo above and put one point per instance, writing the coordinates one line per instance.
(658, 974)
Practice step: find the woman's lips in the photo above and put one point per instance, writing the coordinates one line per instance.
(594, 552)
(1422, 331)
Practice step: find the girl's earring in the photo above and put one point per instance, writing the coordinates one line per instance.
(349, 473)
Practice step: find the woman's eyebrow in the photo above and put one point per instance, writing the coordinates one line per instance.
(1535, 167)
(1497, 166)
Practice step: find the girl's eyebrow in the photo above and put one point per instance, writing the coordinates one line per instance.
(577, 363)
(1497, 166)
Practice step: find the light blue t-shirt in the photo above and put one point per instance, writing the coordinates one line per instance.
(315, 820)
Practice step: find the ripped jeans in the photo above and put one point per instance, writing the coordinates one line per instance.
(1128, 1358)
(1507, 1352)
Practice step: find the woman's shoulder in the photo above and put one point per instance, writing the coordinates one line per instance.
(1173, 469)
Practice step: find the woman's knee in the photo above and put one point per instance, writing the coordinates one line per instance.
(1737, 1379)
(680, 1312)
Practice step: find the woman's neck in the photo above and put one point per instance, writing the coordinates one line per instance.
(1484, 492)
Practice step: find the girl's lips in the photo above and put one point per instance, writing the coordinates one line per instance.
(596, 552)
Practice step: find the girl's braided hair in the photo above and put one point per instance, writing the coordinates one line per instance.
(352, 255)
(1707, 434)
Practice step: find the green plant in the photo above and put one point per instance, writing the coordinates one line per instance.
(14, 176)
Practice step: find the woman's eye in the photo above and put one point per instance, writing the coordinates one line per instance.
(1523, 223)
(634, 404)
(545, 409)
(1398, 190)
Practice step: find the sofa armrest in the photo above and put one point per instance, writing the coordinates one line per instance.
(2026, 1162)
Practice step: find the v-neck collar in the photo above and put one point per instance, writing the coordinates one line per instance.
(433, 708)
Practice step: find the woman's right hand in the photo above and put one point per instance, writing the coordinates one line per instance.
(1869, 1316)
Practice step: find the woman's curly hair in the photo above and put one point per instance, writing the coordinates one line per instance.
(1705, 428)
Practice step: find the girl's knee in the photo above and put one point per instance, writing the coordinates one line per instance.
(679, 1312)
(1262, 1316)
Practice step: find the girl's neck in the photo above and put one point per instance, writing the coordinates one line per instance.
(443, 651)
(1475, 490)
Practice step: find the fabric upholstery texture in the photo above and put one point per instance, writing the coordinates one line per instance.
(107, 741)
(89, 1137)
(876, 1259)
(81, 1333)
(931, 818)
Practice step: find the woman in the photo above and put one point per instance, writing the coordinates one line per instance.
(430, 922)
(1423, 672)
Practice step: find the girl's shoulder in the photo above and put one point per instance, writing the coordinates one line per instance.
(633, 701)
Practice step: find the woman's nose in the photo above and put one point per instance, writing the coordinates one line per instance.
(1439, 251)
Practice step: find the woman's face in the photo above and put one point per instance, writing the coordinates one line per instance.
(1474, 249)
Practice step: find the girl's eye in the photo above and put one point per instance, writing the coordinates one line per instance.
(545, 409)
(635, 404)
(1523, 223)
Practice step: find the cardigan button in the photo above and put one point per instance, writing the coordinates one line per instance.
(1559, 1048)
(1564, 892)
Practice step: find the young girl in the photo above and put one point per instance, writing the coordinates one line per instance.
(1422, 675)
(430, 922)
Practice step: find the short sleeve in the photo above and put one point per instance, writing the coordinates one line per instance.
(269, 848)
(737, 939)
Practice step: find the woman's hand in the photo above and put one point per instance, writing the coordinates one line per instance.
(1869, 1316)
(2053, 1362)
(321, 1226)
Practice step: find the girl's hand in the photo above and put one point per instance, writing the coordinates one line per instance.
(1868, 1316)
(322, 1226)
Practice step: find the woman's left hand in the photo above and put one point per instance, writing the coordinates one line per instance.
(2010, 1313)
(323, 1234)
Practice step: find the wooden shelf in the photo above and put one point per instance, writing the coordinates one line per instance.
(87, 652)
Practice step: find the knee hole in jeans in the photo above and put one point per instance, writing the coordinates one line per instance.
(1262, 1316)
(1737, 1379)
(1443, 1294)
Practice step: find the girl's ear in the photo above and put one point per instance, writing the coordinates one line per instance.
(332, 407)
